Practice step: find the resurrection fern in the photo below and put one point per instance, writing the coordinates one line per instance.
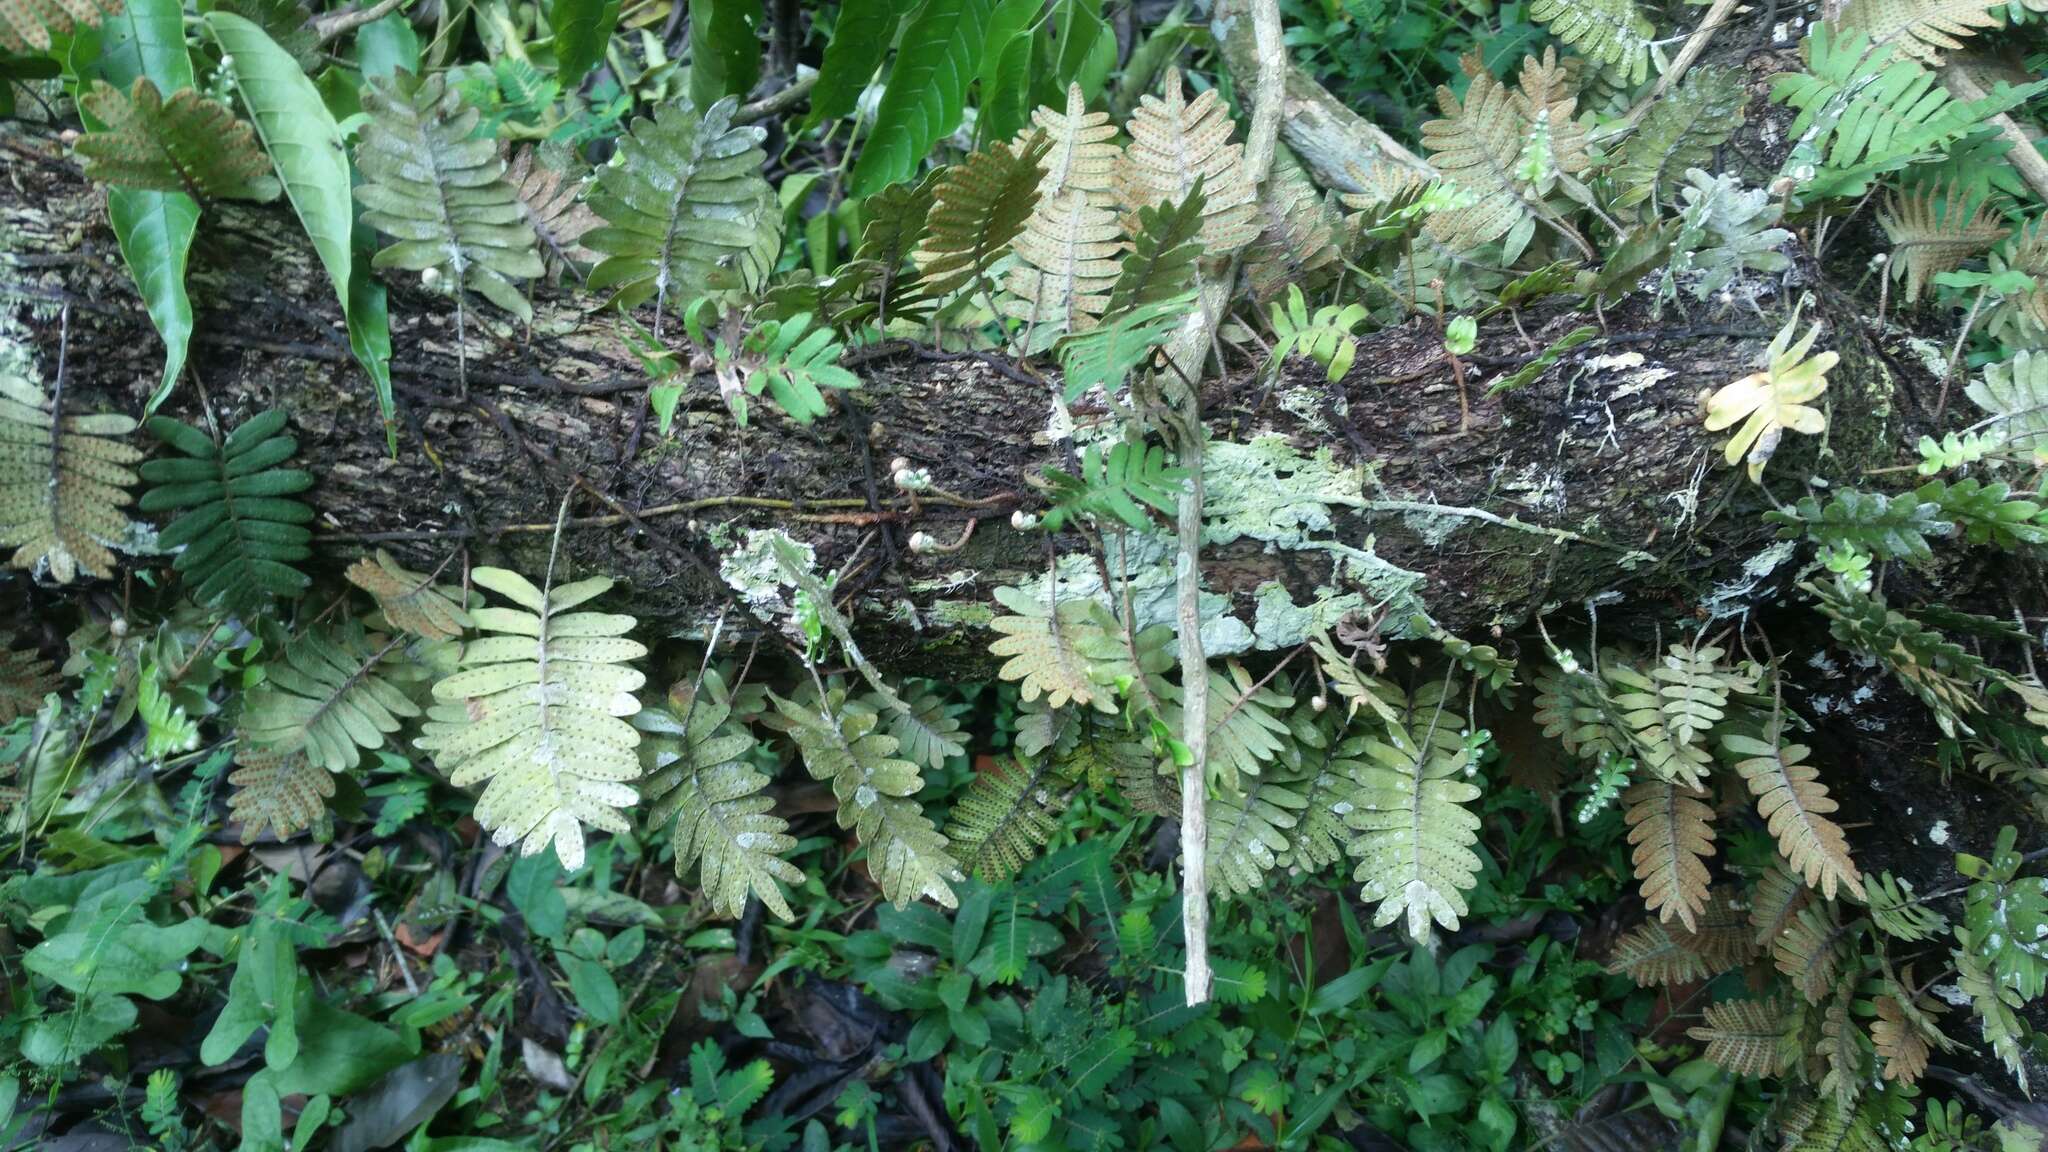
(328, 695)
(1501, 151)
(1889, 527)
(1298, 240)
(554, 208)
(1249, 831)
(1611, 32)
(1934, 231)
(63, 483)
(1748, 1038)
(1118, 487)
(895, 226)
(1773, 401)
(1664, 713)
(698, 774)
(1794, 805)
(1328, 784)
(1327, 337)
(1066, 264)
(185, 144)
(26, 25)
(239, 526)
(907, 856)
(978, 208)
(1082, 154)
(1105, 356)
(410, 601)
(438, 189)
(2022, 317)
(1176, 142)
(1922, 29)
(1776, 899)
(1415, 835)
(1679, 132)
(1809, 951)
(1672, 830)
(537, 710)
(2014, 395)
(1944, 675)
(1658, 953)
(25, 678)
(276, 788)
(1724, 230)
(1011, 809)
(1901, 1049)
(1899, 913)
(926, 728)
(1043, 645)
(1247, 724)
(685, 208)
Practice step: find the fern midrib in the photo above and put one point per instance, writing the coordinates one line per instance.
(348, 684)
(998, 832)
(684, 179)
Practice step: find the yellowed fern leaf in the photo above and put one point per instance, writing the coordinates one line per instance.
(1083, 155)
(1794, 805)
(1174, 142)
(1671, 828)
(1554, 147)
(1899, 1045)
(1922, 29)
(1066, 265)
(410, 601)
(63, 483)
(281, 789)
(1934, 231)
(1746, 1037)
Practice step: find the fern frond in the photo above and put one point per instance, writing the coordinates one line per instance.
(1824, 1126)
(185, 144)
(538, 711)
(1794, 805)
(685, 208)
(25, 678)
(1105, 356)
(1082, 154)
(1118, 487)
(277, 788)
(1249, 831)
(239, 526)
(1663, 731)
(1247, 724)
(26, 25)
(698, 773)
(1996, 1007)
(1298, 240)
(1922, 29)
(1611, 32)
(1748, 1038)
(329, 694)
(1672, 830)
(1809, 950)
(1656, 952)
(1066, 265)
(978, 207)
(1414, 847)
(438, 190)
(1330, 791)
(1842, 1050)
(1176, 142)
(1888, 527)
(410, 601)
(2015, 397)
(554, 207)
(1942, 673)
(63, 483)
(2022, 318)
(1327, 336)
(1010, 811)
(1044, 646)
(926, 728)
(1680, 132)
(1933, 231)
(1900, 1046)
(876, 789)
(1501, 151)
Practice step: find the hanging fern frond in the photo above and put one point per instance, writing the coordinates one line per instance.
(410, 601)
(1009, 812)
(1299, 232)
(1045, 647)
(1942, 673)
(1679, 132)
(1501, 151)
(1794, 805)
(63, 483)
(1657, 952)
(1922, 29)
(1176, 142)
(1414, 847)
(25, 678)
(329, 695)
(537, 713)
(1842, 1048)
(1611, 32)
(1249, 831)
(186, 144)
(1901, 1048)
(698, 774)
(1659, 730)
(1105, 356)
(1748, 1038)
(978, 207)
(276, 788)
(1330, 792)
(1776, 899)
(1672, 830)
(1247, 723)
(26, 25)
(439, 191)
(1935, 231)
(685, 208)
(239, 526)
(554, 207)
(907, 855)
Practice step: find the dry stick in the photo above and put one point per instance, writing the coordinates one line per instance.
(1688, 53)
(335, 25)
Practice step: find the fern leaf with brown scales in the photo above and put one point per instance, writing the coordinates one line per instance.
(1612, 32)
(1747, 1038)
(1672, 830)
(186, 143)
(1298, 233)
(26, 25)
(64, 481)
(1656, 952)
(410, 601)
(1934, 231)
(278, 788)
(1794, 805)
(1922, 29)
(1066, 265)
(25, 678)
(1011, 809)
(1082, 156)
(1809, 950)
(1554, 142)
(1174, 142)
(1901, 1049)
(553, 203)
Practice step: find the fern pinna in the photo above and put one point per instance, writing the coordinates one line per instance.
(63, 483)
(538, 711)
(240, 531)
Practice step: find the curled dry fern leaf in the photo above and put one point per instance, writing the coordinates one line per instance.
(1671, 828)
(411, 601)
(537, 710)
(63, 483)
(1933, 231)
(685, 207)
(1794, 805)
(1009, 812)
(1612, 32)
(277, 788)
(1176, 142)
(185, 144)
(439, 191)
(1746, 1037)
(725, 826)
(25, 678)
(240, 530)
(1414, 847)
(328, 695)
(978, 207)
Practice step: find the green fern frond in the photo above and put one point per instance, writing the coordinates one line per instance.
(1612, 32)
(978, 208)
(1825, 1126)
(1898, 912)
(1987, 513)
(538, 710)
(1934, 231)
(792, 362)
(1889, 527)
(2014, 395)
(1105, 356)
(329, 695)
(1501, 151)
(1046, 646)
(185, 144)
(1943, 674)
(698, 774)
(1118, 487)
(685, 208)
(1680, 132)
(63, 483)
(1414, 847)
(239, 527)
(1996, 1006)
(1249, 831)
(926, 727)
(1011, 809)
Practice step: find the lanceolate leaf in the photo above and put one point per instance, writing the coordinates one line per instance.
(927, 91)
(725, 50)
(240, 530)
(582, 29)
(863, 32)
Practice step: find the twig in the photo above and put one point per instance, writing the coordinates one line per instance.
(334, 25)
(1694, 45)
(776, 103)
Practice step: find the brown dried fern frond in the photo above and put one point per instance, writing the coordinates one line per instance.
(63, 483)
(554, 206)
(1672, 830)
(25, 678)
(1934, 231)
(1298, 234)
(1745, 1037)
(1066, 265)
(1174, 142)
(1794, 805)
(411, 601)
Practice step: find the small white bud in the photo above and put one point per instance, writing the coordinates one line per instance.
(1023, 521)
(1319, 702)
(899, 464)
(118, 627)
(921, 542)
(431, 277)
(913, 479)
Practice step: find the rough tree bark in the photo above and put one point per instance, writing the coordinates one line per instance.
(1596, 477)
